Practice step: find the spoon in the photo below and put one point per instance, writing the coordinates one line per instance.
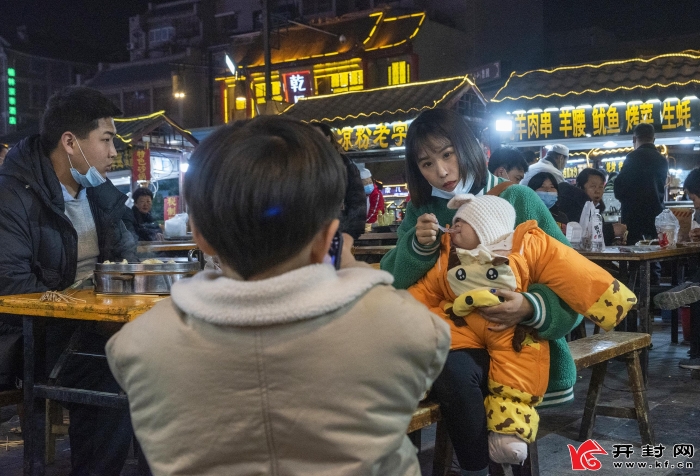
(444, 230)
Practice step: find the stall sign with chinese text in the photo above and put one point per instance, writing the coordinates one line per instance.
(297, 85)
(374, 136)
(170, 206)
(122, 161)
(604, 120)
(141, 169)
(395, 190)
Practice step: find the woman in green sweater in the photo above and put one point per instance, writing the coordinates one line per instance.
(443, 158)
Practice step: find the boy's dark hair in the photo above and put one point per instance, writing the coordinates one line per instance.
(140, 192)
(508, 158)
(259, 193)
(692, 182)
(436, 124)
(538, 179)
(585, 174)
(325, 128)
(76, 109)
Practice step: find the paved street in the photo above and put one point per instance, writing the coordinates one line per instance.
(673, 400)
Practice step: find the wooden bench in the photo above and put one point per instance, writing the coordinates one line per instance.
(594, 351)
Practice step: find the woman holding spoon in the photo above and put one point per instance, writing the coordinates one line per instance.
(443, 159)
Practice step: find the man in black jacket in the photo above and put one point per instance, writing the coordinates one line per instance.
(640, 186)
(59, 215)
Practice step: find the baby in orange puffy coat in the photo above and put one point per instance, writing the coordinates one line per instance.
(483, 253)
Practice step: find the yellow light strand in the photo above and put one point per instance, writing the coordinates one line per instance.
(140, 118)
(406, 85)
(595, 91)
(465, 79)
(593, 66)
(379, 16)
(415, 32)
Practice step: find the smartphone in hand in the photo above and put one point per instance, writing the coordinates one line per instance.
(336, 249)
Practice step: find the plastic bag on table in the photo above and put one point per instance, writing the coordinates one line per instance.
(667, 227)
(176, 226)
(591, 229)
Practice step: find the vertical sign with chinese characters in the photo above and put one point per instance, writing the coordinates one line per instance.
(141, 166)
(297, 85)
(11, 97)
(170, 206)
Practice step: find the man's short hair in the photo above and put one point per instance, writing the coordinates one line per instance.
(508, 158)
(76, 109)
(259, 193)
(140, 192)
(644, 131)
(585, 174)
(692, 182)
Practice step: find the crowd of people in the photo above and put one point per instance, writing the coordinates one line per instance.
(278, 362)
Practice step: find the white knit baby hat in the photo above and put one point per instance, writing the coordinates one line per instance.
(491, 217)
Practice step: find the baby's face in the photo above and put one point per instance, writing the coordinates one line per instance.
(464, 235)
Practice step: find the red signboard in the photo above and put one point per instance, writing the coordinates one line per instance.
(141, 165)
(296, 85)
(170, 206)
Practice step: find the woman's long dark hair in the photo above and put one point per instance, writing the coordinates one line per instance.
(435, 124)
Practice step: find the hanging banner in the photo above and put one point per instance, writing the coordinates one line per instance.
(618, 118)
(170, 206)
(141, 167)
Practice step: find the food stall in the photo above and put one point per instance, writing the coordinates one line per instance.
(152, 151)
(593, 108)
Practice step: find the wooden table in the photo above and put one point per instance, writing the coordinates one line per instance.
(158, 246)
(644, 256)
(92, 307)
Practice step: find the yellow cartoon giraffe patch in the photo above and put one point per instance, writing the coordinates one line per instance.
(612, 306)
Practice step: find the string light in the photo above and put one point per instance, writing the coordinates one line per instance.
(464, 81)
(691, 55)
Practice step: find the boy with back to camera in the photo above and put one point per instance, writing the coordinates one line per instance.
(279, 364)
(483, 255)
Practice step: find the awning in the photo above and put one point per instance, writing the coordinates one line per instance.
(132, 129)
(640, 77)
(386, 104)
(129, 130)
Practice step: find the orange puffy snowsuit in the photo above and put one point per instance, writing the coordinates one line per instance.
(518, 380)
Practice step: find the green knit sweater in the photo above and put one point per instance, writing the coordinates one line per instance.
(553, 318)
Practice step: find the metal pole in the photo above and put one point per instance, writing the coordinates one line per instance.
(266, 48)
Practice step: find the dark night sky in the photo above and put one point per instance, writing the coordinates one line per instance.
(83, 30)
(97, 30)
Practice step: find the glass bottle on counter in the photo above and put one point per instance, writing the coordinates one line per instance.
(392, 211)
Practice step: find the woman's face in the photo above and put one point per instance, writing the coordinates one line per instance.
(594, 188)
(463, 235)
(547, 186)
(437, 161)
(144, 204)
